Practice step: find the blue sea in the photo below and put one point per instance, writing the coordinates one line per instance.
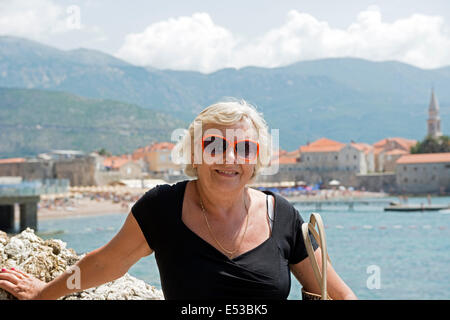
(379, 254)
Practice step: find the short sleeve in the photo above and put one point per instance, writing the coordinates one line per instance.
(298, 252)
(146, 211)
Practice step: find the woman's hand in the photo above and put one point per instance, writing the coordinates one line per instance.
(21, 285)
(99, 266)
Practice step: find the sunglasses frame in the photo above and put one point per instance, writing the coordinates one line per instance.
(234, 146)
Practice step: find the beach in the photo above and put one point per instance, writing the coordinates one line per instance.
(93, 201)
(90, 201)
(83, 207)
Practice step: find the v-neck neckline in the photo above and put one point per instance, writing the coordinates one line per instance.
(242, 255)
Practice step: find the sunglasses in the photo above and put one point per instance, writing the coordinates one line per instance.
(246, 149)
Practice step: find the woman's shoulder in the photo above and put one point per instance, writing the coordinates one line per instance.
(163, 193)
(283, 206)
(167, 189)
(285, 203)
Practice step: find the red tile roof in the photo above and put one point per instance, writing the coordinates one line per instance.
(12, 160)
(366, 148)
(295, 153)
(162, 146)
(144, 151)
(115, 162)
(322, 145)
(424, 158)
(287, 160)
(404, 143)
(396, 152)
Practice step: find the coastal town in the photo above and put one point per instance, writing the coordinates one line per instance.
(384, 166)
(181, 151)
(97, 182)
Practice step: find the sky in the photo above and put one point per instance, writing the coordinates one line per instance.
(209, 35)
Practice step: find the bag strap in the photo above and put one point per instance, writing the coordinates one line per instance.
(321, 240)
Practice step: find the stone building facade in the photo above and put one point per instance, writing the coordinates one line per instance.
(423, 173)
(158, 158)
(325, 160)
(388, 151)
(79, 171)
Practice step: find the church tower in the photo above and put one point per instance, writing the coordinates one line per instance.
(434, 122)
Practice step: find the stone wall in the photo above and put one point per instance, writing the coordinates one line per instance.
(423, 178)
(377, 182)
(79, 171)
(298, 172)
(370, 182)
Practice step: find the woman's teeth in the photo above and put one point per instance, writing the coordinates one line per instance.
(228, 173)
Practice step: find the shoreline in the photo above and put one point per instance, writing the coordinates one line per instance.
(84, 208)
(89, 204)
(79, 208)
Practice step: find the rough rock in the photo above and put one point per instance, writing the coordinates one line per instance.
(46, 259)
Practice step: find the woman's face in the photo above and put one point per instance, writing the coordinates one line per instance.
(226, 171)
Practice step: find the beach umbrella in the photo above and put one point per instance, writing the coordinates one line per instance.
(334, 183)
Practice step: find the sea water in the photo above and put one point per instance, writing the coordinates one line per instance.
(379, 254)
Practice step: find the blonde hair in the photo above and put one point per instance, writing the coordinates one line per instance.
(225, 113)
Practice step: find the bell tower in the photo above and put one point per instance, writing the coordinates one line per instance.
(434, 122)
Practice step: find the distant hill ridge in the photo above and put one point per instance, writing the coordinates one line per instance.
(340, 98)
(35, 121)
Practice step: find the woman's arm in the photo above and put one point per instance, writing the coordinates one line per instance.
(102, 265)
(336, 287)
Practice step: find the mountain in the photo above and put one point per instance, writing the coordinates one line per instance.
(34, 121)
(340, 98)
(89, 73)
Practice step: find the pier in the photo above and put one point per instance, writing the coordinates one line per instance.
(417, 208)
(28, 212)
(26, 195)
(350, 203)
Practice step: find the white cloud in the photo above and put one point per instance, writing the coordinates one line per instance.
(184, 43)
(197, 43)
(43, 20)
(33, 19)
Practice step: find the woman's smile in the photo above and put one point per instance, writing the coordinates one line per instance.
(227, 173)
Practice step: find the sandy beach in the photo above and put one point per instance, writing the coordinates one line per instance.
(88, 202)
(91, 203)
(83, 207)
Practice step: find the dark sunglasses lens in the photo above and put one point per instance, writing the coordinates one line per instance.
(214, 145)
(247, 149)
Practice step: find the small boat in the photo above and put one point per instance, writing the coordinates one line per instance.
(416, 207)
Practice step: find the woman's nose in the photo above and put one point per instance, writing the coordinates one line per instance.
(230, 156)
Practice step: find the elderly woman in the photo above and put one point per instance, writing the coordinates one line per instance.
(213, 237)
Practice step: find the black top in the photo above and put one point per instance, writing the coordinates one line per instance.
(191, 268)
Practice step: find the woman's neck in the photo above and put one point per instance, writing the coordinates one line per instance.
(222, 205)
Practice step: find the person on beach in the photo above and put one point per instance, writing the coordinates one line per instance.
(213, 236)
